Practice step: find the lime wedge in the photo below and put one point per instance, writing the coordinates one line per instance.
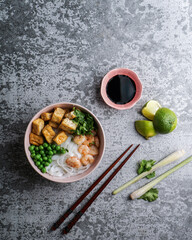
(150, 108)
(145, 128)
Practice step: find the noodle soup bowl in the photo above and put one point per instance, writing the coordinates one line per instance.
(98, 158)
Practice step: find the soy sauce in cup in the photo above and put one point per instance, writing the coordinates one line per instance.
(121, 89)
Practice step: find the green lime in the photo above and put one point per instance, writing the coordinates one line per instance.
(165, 120)
(150, 108)
(145, 128)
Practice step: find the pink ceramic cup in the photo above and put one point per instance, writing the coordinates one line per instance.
(126, 72)
(98, 158)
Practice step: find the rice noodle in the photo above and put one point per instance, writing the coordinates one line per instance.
(59, 168)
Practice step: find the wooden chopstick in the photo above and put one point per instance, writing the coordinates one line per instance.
(92, 199)
(71, 209)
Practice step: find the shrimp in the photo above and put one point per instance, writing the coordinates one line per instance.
(89, 141)
(87, 159)
(73, 162)
(96, 140)
(79, 139)
(83, 149)
(93, 150)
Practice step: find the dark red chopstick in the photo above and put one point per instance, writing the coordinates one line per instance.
(71, 209)
(92, 199)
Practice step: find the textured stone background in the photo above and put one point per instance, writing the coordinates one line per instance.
(59, 51)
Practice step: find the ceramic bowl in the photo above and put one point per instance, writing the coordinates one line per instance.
(98, 158)
(130, 74)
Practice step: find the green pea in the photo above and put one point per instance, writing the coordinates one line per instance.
(43, 170)
(43, 155)
(49, 160)
(41, 147)
(58, 148)
(31, 148)
(50, 153)
(54, 152)
(53, 146)
(42, 152)
(38, 163)
(46, 164)
(36, 149)
(33, 152)
(40, 166)
(45, 145)
(63, 150)
(45, 158)
(38, 156)
(49, 148)
(33, 155)
(40, 159)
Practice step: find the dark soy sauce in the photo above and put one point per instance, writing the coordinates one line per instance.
(121, 89)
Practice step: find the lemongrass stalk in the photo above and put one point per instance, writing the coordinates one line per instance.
(138, 193)
(169, 159)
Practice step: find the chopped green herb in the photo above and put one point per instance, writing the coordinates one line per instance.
(85, 121)
(151, 195)
(141, 191)
(151, 175)
(146, 165)
(92, 143)
(169, 159)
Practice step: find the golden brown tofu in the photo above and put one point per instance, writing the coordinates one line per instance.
(60, 137)
(46, 116)
(35, 139)
(70, 115)
(53, 124)
(37, 126)
(68, 125)
(48, 133)
(58, 115)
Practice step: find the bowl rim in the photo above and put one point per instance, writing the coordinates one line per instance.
(46, 175)
(126, 72)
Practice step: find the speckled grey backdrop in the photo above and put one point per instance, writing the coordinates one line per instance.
(59, 51)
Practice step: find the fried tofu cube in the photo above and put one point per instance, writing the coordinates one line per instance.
(37, 126)
(48, 133)
(68, 125)
(46, 116)
(53, 124)
(35, 139)
(70, 115)
(58, 115)
(60, 137)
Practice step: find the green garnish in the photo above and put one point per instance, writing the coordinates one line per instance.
(92, 143)
(151, 195)
(151, 175)
(146, 165)
(169, 159)
(85, 121)
(141, 191)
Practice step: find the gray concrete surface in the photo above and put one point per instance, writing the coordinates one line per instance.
(55, 51)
